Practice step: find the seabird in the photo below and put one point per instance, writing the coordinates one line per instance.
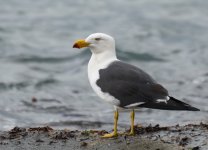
(121, 84)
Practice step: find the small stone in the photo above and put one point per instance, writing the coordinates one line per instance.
(39, 140)
(34, 99)
(196, 148)
(83, 144)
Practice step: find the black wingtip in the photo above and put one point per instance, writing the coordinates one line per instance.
(171, 104)
(193, 109)
(183, 105)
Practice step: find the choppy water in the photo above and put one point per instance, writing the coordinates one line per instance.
(168, 39)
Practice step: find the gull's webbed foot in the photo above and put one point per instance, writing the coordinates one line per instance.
(131, 133)
(110, 135)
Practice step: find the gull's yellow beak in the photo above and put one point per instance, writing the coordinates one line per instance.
(80, 44)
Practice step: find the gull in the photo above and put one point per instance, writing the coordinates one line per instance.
(123, 85)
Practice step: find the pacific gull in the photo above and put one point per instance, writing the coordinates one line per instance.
(121, 84)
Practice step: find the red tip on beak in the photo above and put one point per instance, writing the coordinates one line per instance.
(76, 45)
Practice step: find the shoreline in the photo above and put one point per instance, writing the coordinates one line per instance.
(191, 136)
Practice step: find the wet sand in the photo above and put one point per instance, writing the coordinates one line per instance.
(191, 136)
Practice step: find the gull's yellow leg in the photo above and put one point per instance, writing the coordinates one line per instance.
(132, 122)
(114, 133)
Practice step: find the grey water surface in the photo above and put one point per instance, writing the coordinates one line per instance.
(43, 80)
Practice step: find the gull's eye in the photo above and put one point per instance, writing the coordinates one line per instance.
(97, 39)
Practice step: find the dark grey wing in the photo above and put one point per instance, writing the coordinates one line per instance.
(129, 84)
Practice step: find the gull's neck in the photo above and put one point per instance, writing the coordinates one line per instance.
(102, 59)
(103, 56)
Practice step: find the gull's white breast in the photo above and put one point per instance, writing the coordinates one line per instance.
(93, 75)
